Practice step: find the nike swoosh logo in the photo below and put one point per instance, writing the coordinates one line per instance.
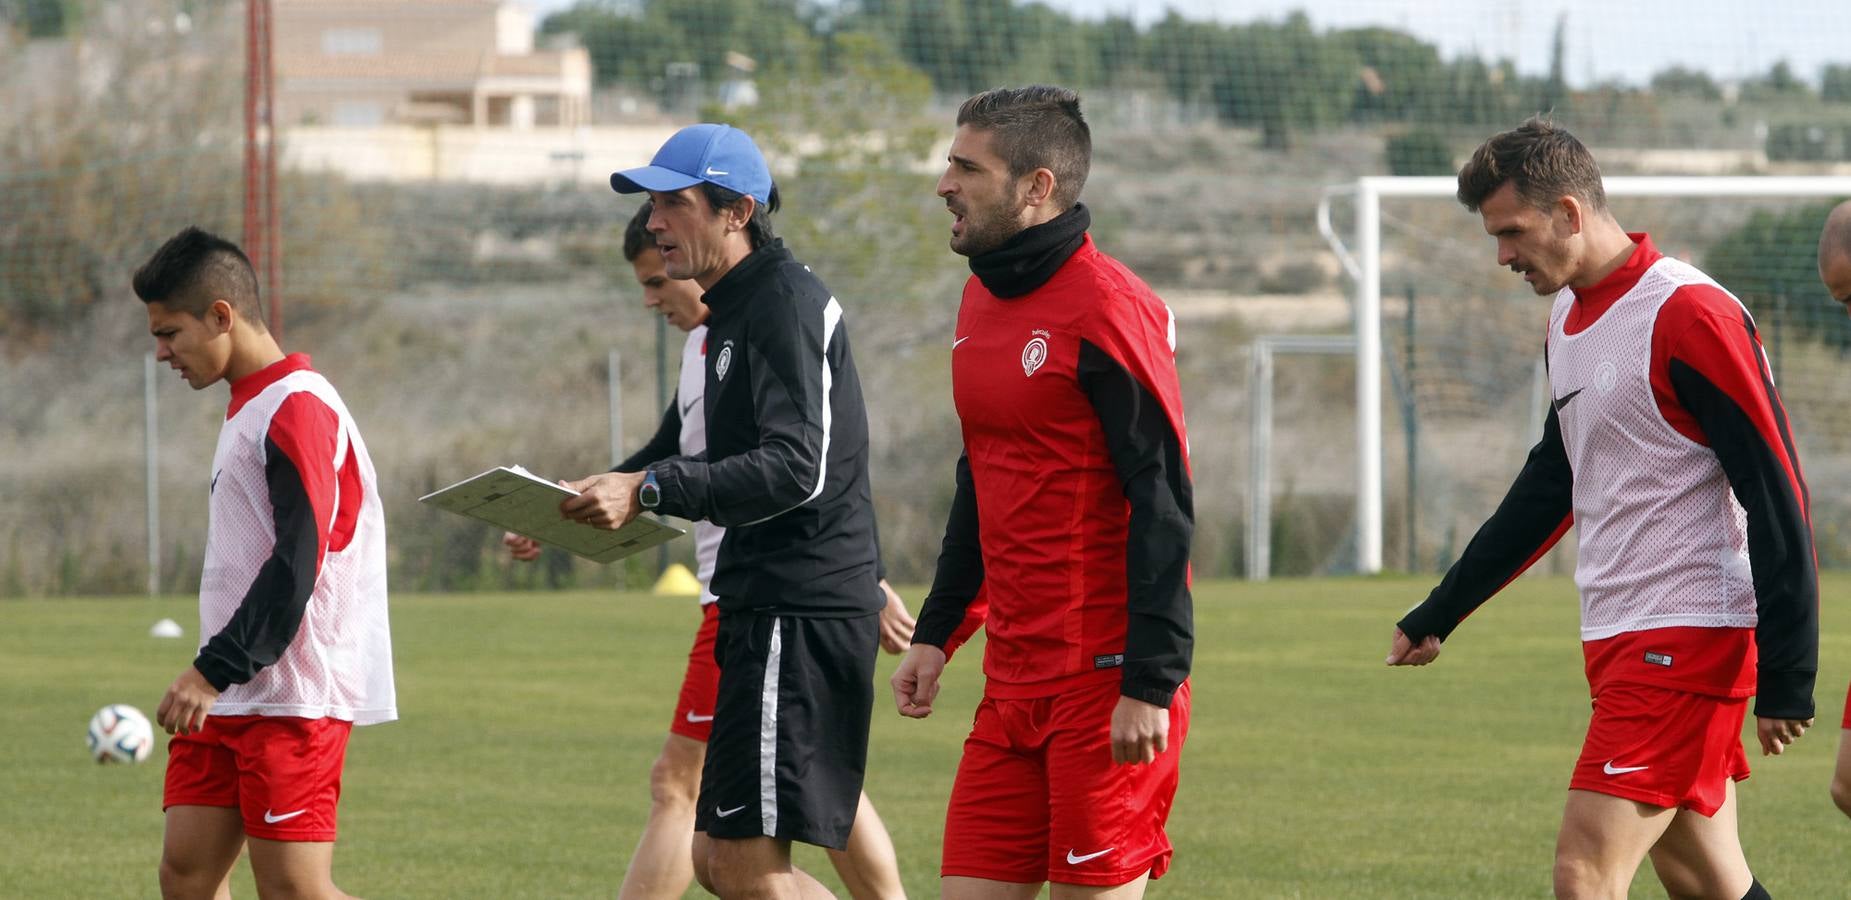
(713, 171)
(1612, 769)
(723, 813)
(1076, 860)
(272, 820)
(1562, 402)
(698, 719)
(954, 344)
(689, 408)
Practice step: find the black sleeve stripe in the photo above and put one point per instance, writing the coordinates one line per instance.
(1781, 428)
(1780, 548)
(1148, 455)
(271, 612)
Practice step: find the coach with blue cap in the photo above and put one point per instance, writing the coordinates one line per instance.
(786, 472)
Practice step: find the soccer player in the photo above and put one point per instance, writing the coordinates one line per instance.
(1835, 272)
(786, 473)
(662, 864)
(1668, 448)
(296, 648)
(1069, 530)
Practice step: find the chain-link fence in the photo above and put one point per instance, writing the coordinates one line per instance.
(450, 254)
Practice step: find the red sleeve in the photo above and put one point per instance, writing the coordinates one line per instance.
(1713, 384)
(1702, 327)
(309, 433)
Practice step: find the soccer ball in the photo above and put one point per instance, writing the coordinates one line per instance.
(120, 733)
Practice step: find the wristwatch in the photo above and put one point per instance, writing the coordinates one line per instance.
(649, 494)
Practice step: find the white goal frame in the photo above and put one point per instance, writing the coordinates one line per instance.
(1365, 270)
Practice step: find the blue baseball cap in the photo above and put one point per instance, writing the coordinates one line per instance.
(716, 154)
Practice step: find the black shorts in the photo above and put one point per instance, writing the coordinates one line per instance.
(790, 727)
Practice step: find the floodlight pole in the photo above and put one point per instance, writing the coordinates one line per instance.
(261, 225)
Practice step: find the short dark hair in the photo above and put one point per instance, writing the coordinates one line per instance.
(758, 228)
(636, 236)
(196, 267)
(1542, 159)
(1036, 127)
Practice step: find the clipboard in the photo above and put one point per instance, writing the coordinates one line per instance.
(517, 500)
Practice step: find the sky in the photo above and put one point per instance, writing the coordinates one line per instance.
(1606, 40)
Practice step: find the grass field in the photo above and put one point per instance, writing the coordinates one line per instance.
(529, 721)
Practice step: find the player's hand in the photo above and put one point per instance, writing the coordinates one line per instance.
(1776, 734)
(603, 501)
(915, 682)
(520, 546)
(183, 708)
(1403, 652)
(896, 623)
(1140, 731)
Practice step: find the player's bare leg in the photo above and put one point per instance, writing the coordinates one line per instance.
(1700, 857)
(1602, 841)
(958, 887)
(759, 868)
(869, 868)
(663, 863)
(294, 870)
(198, 851)
(702, 853)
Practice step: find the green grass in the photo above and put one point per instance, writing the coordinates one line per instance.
(520, 766)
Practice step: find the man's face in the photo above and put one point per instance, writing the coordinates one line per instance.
(1835, 271)
(1536, 243)
(690, 234)
(678, 301)
(199, 349)
(985, 203)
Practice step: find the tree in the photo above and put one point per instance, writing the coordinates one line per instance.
(1180, 52)
(1555, 90)
(1422, 151)
(1835, 84)
(1758, 263)
(40, 18)
(1778, 84)
(1282, 77)
(1403, 79)
(1678, 81)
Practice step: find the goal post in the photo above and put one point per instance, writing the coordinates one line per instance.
(1362, 260)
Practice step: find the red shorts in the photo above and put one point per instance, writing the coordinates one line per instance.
(1663, 747)
(1038, 798)
(283, 773)
(701, 683)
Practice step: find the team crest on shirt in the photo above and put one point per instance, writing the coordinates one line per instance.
(1035, 353)
(724, 361)
(1606, 377)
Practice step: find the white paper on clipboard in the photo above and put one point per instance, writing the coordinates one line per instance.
(517, 500)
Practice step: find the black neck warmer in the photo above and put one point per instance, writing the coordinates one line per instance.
(1026, 261)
